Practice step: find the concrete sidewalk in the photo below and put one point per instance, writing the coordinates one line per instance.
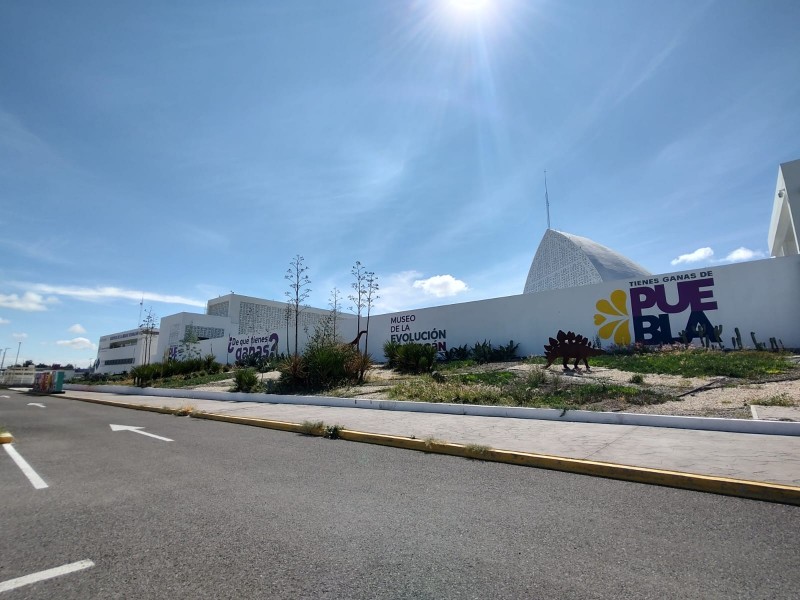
(751, 457)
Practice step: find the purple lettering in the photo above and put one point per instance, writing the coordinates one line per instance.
(641, 298)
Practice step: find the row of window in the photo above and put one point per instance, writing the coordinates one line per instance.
(118, 361)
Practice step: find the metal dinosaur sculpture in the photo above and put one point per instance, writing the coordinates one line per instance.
(570, 346)
(355, 342)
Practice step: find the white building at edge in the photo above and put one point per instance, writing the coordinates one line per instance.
(236, 325)
(783, 228)
(120, 352)
(758, 299)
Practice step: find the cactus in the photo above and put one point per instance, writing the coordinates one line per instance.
(773, 344)
(733, 342)
(705, 342)
(738, 343)
(758, 345)
(717, 337)
(780, 341)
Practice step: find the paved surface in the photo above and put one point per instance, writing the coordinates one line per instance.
(763, 458)
(228, 511)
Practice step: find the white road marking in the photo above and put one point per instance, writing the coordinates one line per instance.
(137, 430)
(12, 584)
(36, 404)
(32, 476)
(5, 396)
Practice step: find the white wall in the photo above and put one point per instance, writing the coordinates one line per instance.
(760, 296)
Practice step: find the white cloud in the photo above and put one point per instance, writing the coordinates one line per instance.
(407, 290)
(19, 336)
(29, 301)
(77, 328)
(698, 255)
(4, 321)
(78, 343)
(441, 286)
(98, 293)
(742, 254)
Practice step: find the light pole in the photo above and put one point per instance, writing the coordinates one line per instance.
(4, 357)
(16, 360)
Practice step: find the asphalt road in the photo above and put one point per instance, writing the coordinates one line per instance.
(229, 511)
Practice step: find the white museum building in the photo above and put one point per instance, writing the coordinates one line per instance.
(574, 283)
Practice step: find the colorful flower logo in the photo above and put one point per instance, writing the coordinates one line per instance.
(608, 318)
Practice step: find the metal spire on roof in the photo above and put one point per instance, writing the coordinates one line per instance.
(546, 199)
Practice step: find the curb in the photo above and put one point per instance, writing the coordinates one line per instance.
(6, 438)
(740, 488)
(477, 410)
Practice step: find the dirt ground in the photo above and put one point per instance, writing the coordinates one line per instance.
(694, 396)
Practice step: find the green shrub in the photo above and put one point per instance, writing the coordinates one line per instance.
(323, 365)
(245, 380)
(390, 350)
(482, 352)
(459, 353)
(415, 358)
(328, 365)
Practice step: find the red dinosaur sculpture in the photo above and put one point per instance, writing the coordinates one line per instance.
(568, 346)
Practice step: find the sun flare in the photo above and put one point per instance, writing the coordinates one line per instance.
(474, 6)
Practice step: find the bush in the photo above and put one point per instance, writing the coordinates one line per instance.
(415, 358)
(483, 352)
(390, 350)
(330, 365)
(322, 366)
(293, 373)
(245, 380)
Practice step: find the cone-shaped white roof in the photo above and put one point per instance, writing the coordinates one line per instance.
(564, 260)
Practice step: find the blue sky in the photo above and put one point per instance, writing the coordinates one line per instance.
(177, 151)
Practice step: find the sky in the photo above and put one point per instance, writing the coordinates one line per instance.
(155, 155)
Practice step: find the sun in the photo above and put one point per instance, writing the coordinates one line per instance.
(473, 6)
(470, 8)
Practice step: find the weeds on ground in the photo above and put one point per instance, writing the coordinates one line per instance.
(538, 389)
(487, 378)
(637, 378)
(430, 441)
(193, 380)
(185, 410)
(700, 362)
(776, 400)
(477, 449)
(312, 427)
(332, 431)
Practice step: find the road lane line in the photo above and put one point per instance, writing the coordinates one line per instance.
(32, 476)
(12, 584)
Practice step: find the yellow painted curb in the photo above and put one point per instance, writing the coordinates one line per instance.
(741, 488)
(6, 438)
(159, 409)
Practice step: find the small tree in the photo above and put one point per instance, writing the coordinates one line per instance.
(372, 295)
(148, 330)
(188, 348)
(287, 316)
(298, 291)
(359, 292)
(336, 308)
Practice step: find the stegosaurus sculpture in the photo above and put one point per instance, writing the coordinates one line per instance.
(568, 346)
